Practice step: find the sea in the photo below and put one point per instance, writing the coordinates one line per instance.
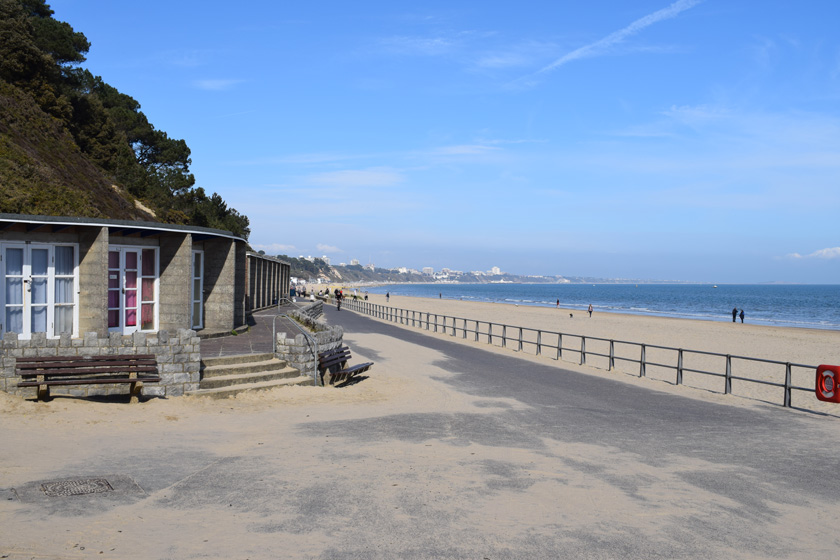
(801, 306)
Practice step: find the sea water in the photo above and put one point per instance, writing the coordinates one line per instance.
(803, 306)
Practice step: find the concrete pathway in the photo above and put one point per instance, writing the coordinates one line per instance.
(256, 340)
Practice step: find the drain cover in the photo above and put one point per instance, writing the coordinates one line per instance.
(76, 487)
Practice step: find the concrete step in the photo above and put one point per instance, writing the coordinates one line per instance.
(231, 390)
(235, 359)
(237, 369)
(216, 381)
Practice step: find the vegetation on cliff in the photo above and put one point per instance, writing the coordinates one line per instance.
(72, 145)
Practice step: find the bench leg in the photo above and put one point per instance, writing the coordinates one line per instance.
(135, 390)
(43, 392)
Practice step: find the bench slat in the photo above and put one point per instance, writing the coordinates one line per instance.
(66, 363)
(88, 371)
(88, 381)
(88, 358)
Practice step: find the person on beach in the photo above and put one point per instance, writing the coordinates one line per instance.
(558, 304)
(734, 313)
(590, 310)
(387, 296)
(742, 316)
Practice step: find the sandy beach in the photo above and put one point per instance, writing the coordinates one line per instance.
(784, 344)
(412, 463)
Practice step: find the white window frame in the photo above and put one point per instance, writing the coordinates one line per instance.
(197, 298)
(27, 247)
(122, 327)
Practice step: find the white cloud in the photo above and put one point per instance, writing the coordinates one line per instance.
(274, 248)
(424, 46)
(375, 177)
(327, 248)
(466, 149)
(216, 85)
(830, 253)
(606, 45)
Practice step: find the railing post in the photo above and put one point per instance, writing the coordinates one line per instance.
(465, 329)
(727, 389)
(582, 350)
(679, 366)
(504, 336)
(559, 346)
(612, 356)
(642, 362)
(539, 343)
(520, 340)
(490, 333)
(787, 385)
(477, 325)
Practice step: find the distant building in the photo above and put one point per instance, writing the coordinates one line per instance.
(495, 271)
(428, 271)
(354, 262)
(326, 260)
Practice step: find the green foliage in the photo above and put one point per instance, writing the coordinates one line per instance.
(92, 123)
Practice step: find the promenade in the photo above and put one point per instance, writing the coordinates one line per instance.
(444, 450)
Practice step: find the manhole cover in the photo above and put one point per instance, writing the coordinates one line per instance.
(76, 487)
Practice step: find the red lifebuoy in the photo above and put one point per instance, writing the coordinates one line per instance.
(828, 383)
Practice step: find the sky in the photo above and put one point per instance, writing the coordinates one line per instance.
(692, 140)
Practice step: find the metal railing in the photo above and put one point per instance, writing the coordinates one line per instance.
(562, 345)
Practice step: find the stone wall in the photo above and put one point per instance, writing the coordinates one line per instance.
(300, 353)
(178, 359)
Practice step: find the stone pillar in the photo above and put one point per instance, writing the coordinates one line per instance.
(93, 280)
(175, 279)
(220, 278)
(240, 264)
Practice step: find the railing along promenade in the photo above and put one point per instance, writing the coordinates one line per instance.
(562, 346)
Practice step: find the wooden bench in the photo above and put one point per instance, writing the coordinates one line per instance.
(334, 363)
(134, 369)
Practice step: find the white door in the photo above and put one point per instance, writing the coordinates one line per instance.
(132, 289)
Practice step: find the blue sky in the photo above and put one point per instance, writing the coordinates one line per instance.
(651, 139)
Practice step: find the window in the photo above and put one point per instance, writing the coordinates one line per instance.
(132, 289)
(40, 286)
(197, 290)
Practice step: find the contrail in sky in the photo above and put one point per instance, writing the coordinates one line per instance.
(601, 46)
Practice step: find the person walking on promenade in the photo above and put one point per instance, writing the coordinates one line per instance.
(734, 313)
(590, 310)
(742, 316)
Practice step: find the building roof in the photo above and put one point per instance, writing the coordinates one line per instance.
(127, 227)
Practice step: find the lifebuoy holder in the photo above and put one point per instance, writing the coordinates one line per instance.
(828, 383)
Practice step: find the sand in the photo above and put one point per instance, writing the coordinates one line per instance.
(806, 347)
(276, 474)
